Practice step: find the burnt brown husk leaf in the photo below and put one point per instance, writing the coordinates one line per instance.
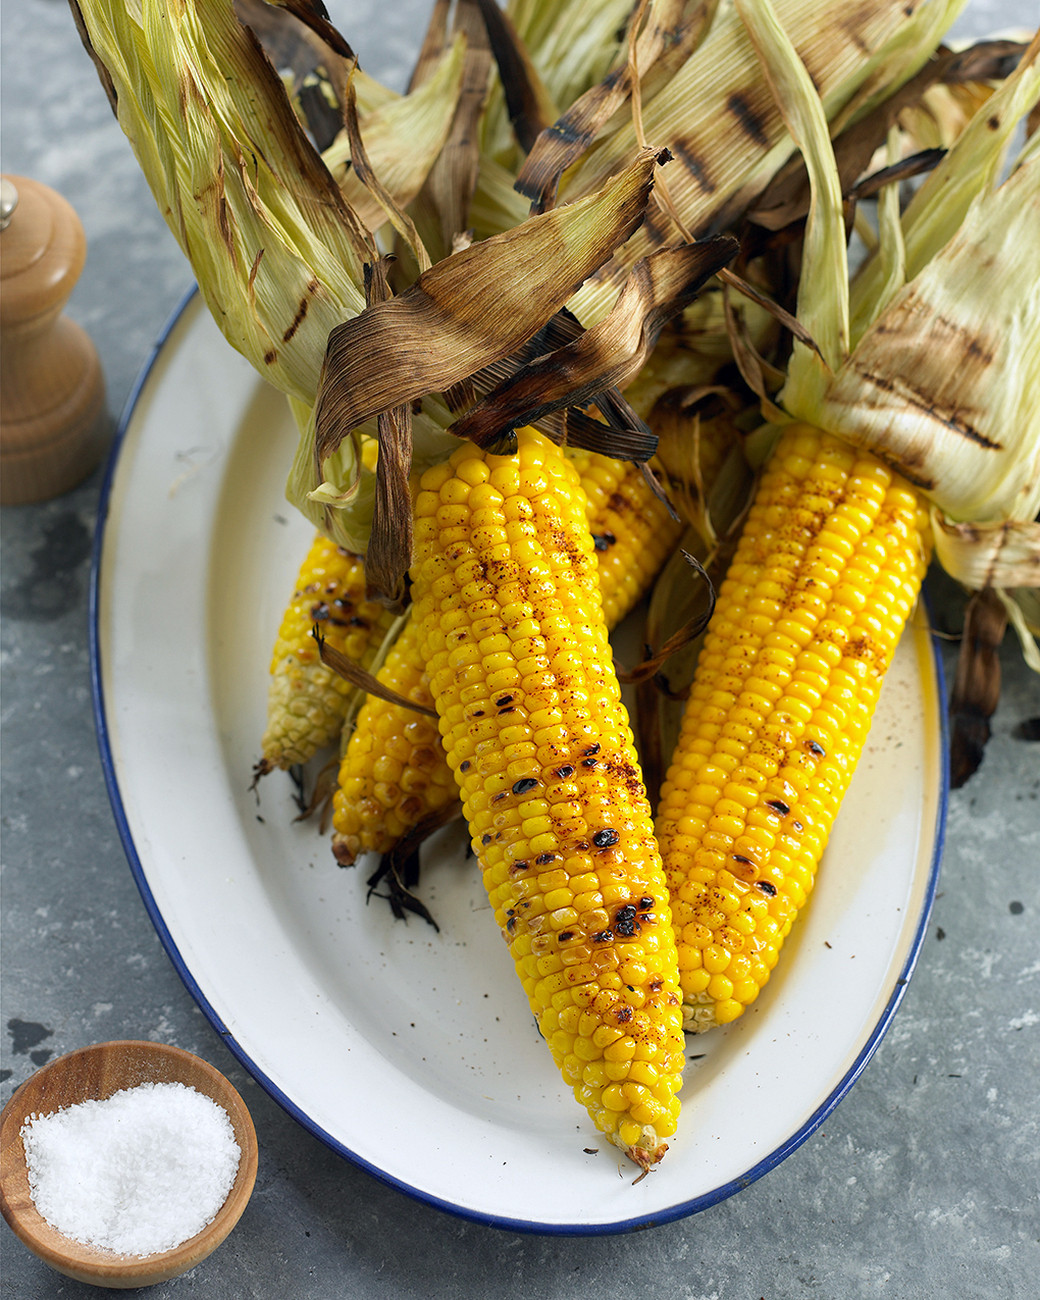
(357, 676)
(976, 686)
(389, 552)
(655, 659)
(472, 309)
(362, 169)
(609, 354)
(442, 208)
(526, 98)
(786, 198)
(399, 867)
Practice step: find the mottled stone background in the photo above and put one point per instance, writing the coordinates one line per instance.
(923, 1183)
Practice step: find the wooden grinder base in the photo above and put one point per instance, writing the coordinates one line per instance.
(52, 395)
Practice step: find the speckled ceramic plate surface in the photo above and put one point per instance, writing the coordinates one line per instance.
(409, 1051)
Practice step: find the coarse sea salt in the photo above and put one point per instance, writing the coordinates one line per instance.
(136, 1173)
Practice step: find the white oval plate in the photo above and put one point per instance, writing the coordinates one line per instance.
(411, 1051)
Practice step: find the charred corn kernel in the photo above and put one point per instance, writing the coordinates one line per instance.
(781, 706)
(601, 842)
(632, 534)
(307, 701)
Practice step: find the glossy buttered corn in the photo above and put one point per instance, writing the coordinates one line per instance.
(394, 772)
(307, 701)
(511, 627)
(825, 575)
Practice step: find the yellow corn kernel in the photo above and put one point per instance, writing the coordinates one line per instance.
(781, 706)
(598, 856)
(307, 701)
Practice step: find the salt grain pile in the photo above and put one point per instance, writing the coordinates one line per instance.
(137, 1173)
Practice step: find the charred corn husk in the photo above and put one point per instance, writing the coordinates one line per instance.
(307, 701)
(394, 772)
(826, 572)
(511, 628)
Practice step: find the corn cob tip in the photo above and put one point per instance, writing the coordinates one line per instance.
(344, 852)
(646, 1153)
(698, 1014)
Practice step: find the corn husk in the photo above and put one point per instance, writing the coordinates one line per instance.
(276, 250)
(285, 247)
(944, 382)
(403, 138)
(729, 147)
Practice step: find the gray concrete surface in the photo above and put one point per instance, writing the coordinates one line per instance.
(924, 1182)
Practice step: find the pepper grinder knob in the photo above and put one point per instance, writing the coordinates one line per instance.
(52, 400)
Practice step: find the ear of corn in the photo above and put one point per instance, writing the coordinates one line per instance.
(394, 772)
(511, 628)
(940, 376)
(826, 572)
(307, 701)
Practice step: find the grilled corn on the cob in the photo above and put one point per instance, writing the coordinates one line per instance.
(826, 573)
(511, 627)
(307, 701)
(394, 772)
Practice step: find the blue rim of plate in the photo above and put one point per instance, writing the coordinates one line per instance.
(657, 1219)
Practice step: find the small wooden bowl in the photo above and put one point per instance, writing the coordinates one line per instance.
(95, 1073)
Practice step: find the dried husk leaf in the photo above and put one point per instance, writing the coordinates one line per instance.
(495, 204)
(664, 25)
(441, 209)
(610, 353)
(1005, 553)
(277, 253)
(721, 123)
(919, 103)
(700, 442)
(571, 43)
(976, 685)
(402, 140)
(1023, 611)
(679, 598)
(389, 553)
(945, 385)
(824, 260)
(528, 103)
(971, 168)
(365, 176)
(306, 63)
(366, 682)
(472, 308)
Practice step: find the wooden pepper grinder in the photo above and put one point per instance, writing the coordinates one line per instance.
(52, 392)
